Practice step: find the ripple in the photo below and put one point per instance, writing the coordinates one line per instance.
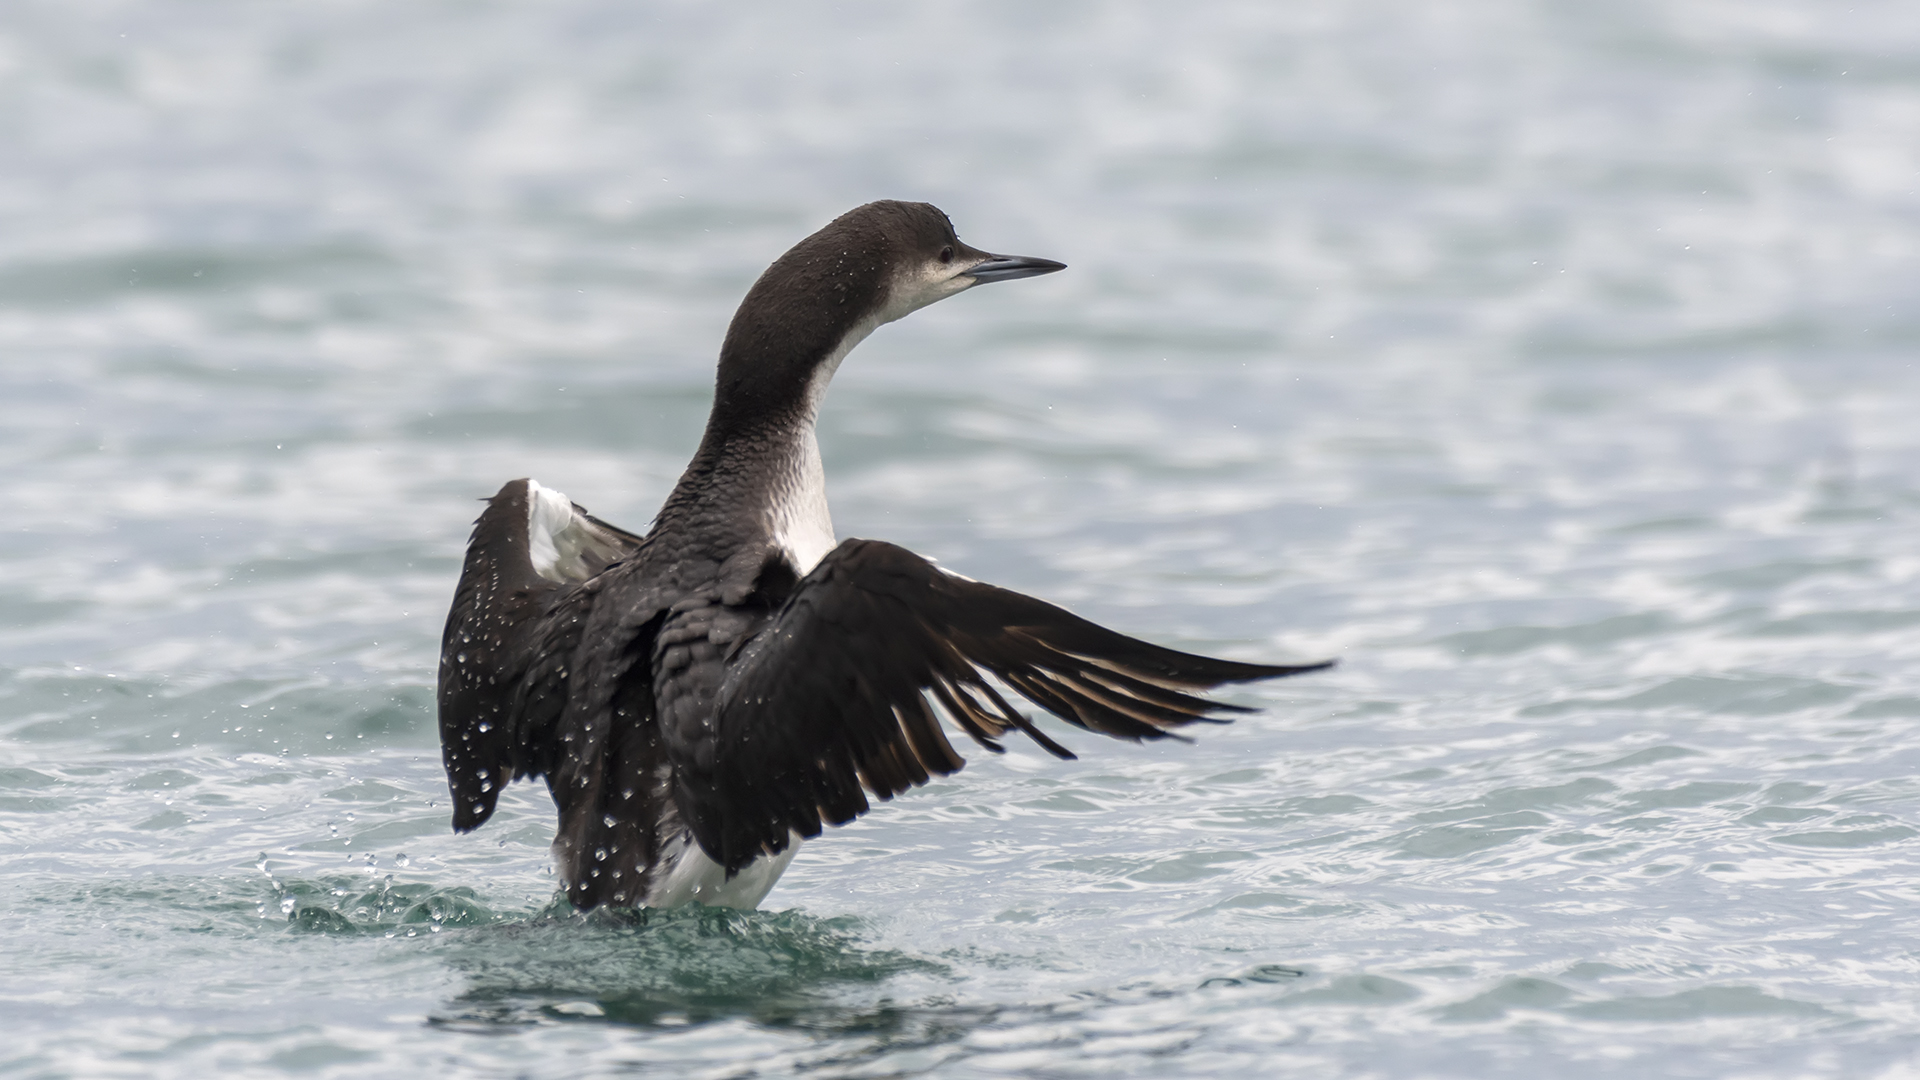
(690, 965)
(1513, 993)
(1702, 1004)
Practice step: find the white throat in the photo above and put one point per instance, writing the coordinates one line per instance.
(799, 520)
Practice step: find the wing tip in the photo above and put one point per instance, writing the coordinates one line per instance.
(469, 820)
(1276, 671)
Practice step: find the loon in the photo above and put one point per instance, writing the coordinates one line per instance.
(702, 698)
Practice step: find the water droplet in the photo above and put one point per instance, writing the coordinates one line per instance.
(485, 727)
(402, 861)
(600, 854)
(609, 821)
(287, 904)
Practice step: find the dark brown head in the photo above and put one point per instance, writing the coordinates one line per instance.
(871, 265)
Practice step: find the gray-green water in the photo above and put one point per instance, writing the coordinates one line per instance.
(1549, 363)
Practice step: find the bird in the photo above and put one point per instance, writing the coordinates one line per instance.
(703, 697)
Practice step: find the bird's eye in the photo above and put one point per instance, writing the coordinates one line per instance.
(946, 254)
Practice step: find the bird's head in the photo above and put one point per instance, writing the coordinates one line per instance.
(869, 266)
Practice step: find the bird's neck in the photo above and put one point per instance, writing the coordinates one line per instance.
(758, 465)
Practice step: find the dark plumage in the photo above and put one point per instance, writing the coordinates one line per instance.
(698, 697)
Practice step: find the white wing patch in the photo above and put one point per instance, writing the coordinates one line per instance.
(561, 543)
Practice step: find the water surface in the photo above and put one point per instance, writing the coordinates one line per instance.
(1549, 365)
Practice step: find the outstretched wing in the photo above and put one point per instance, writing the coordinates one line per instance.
(836, 694)
(530, 547)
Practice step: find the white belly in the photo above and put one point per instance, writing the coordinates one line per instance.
(689, 875)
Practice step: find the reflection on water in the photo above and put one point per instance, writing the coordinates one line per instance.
(687, 966)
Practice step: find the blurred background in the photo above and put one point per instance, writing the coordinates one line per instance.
(1549, 363)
